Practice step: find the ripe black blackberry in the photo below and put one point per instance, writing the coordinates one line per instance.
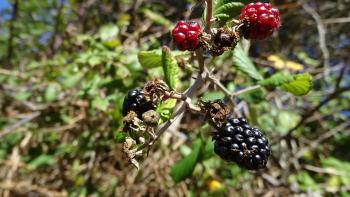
(136, 101)
(237, 142)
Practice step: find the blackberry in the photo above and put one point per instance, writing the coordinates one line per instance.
(238, 142)
(136, 101)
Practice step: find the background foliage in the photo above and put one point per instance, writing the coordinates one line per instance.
(67, 64)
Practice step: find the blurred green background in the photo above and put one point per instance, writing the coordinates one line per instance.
(67, 64)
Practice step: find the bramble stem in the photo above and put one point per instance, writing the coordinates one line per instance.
(209, 16)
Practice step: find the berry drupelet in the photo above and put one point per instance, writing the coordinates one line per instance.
(186, 35)
(261, 20)
(238, 142)
(136, 101)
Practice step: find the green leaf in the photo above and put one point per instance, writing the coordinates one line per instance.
(301, 85)
(304, 180)
(170, 68)
(276, 80)
(51, 92)
(298, 85)
(225, 10)
(108, 32)
(156, 18)
(120, 136)
(184, 168)
(208, 150)
(42, 160)
(210, 96)
(287, 120)
(22, 95)
(165, 109)
(243, 63)
(153, 59)
(100, 103)
(150, 59)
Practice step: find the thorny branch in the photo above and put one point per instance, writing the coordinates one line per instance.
(203, 75)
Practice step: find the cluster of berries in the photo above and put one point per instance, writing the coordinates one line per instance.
(136, 101)
(238, 142)
(235, 140)
(259, 21)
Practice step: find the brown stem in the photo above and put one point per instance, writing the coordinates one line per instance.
(209, 16)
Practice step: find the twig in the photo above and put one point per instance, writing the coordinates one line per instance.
(246, 90)
(189, 93)
(200, 59)
(15, 158)
(25, 187)
(321, 31)
(326, 170)
(337, 20)
(9, 129)
(11, 73)
(216, 81)
(209, 16)
(341, 75)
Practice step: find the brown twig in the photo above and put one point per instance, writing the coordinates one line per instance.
(321, 31)
(341, 75)
(216, 81)
(209, 16)
(7, 130)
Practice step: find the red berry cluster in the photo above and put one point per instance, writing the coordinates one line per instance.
(262, 20)
(186, 35)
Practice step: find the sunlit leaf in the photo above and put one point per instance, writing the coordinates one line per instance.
(243, 63)
(298, 85)
(170, 67)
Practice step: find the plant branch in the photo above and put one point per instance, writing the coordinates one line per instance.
(10, 128)
(228, 93)
(321, 32)
(200, 59)
(209, 16)
(189, 93)
(340, 77)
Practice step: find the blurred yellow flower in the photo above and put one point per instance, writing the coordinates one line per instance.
(214, 185)
(280, 63)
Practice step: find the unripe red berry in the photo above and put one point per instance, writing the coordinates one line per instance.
(186, 35)
(261, 20)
